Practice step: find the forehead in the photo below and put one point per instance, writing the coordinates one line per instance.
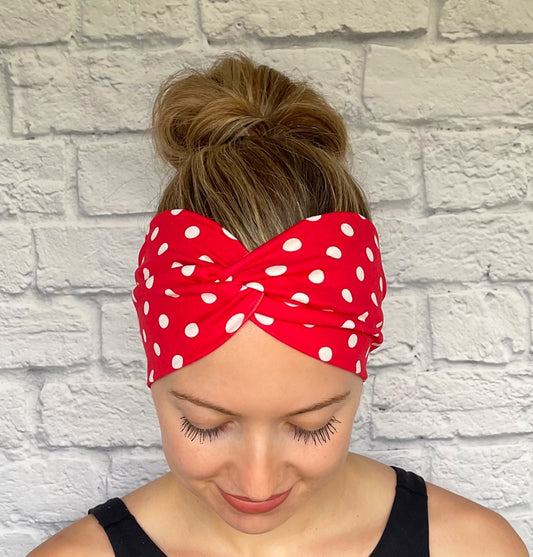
(254, 368)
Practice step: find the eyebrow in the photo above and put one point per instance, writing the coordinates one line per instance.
(216, 407)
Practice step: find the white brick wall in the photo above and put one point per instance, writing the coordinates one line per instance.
(438, 99)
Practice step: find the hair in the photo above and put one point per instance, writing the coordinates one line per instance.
(251, 149)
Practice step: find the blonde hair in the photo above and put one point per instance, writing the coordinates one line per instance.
(251, 149)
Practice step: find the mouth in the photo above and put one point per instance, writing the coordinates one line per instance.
(245, 505)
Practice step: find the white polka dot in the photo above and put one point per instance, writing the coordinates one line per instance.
(292, 245)
(300, 297)
(133, 297)
(144, 335)
(361, 216)
(192, 232)
(154, 233)
(316, 217)
(208, 298)
(206, 258)
(191, 330)
(170, 292)
(255, 286)
(142, 260)
(363, 316)
(234, 322)
(349, 324)
(177, 361)
(373, 298)
(347, 295)
(360, 273)
(369, 254)
(157, 350)
(151, 378)
(149, 282)
(146, 307)
(275, 270)
(176, 211)
(347, 229)
(367, 352)
(264, 319)
(188, 270)
(229, 279)
(176, 264)
(146, 273)
(334, 252)
(291, 305)
(325, 353)
(316, 276)
(358, 367)
(162, 248)
(228, 234)
(381, 284)
(352, 341)
(379, 324)
(163, 321)
(376, 241)
(307, 325)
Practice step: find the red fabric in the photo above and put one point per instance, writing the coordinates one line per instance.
(318, 287)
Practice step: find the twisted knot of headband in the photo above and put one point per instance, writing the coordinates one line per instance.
(318, 287)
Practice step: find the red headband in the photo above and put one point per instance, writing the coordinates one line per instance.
(318, 287)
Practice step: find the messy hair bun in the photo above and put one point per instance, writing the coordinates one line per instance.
(251, 149)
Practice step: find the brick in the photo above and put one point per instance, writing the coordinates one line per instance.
(17, 256)
(502, 472)
(468, 170)
(128, 472)
(104, 414)
(234, 20)
(63, 91)
(48, 333)
(87, 258)
(62, 488)
(138, 19)
(450, 248)
(399, 331)
(122, 343)
(14, 426)
(19, 540)
(387, 166)
(479, 325)
(32, 177)
(460, 388)
(36, 22)
(440, 82)
(116, 178)
(461, 19)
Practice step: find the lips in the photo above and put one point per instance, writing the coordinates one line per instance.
(245, 505)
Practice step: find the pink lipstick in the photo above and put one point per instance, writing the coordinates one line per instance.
(248, 506)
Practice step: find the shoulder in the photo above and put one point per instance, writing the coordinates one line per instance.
(460, 527)
(83, 538)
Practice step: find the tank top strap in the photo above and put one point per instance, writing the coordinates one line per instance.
(407, 531)
(124, 532)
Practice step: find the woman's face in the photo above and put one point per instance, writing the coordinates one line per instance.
(255, 452)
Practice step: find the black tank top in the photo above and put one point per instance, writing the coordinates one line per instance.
(406, 533)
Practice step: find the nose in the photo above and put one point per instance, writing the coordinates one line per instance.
(258, 466)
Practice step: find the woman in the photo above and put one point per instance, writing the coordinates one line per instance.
(259, 292)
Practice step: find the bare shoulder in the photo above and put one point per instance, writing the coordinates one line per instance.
(459, 527)
(83, 538)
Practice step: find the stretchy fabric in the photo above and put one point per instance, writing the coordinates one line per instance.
(406, 533)
(317, 287)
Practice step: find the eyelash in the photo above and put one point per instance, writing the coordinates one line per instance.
(320, 435)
